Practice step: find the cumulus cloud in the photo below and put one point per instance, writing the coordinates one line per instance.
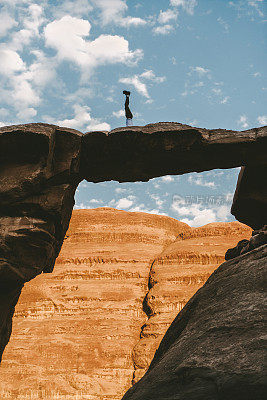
(118, 114)
(67, 37)
(197, 214)
(199, 181)
(167, 16)
(112, 11)
(67, 7)
(243, 121)
(167, 179)
(262, 119)
(163, 30)
(143, 208)
(138, 81)
(82, 120)
(124, 203)
(10, 61)
(200, 70)
(6, 23)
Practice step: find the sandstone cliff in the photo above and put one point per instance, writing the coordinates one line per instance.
(77, 331)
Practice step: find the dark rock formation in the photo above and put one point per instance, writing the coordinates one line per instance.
(250, 199)
(38, 177)
(153, 150)
(258, 239)
(214, 348)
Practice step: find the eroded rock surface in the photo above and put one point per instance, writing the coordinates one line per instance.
(77, 331)
(39, 173)
(168, 148)
(214, 349)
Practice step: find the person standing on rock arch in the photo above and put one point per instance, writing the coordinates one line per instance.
(128, 114)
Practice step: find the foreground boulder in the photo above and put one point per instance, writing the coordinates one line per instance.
(214, 349)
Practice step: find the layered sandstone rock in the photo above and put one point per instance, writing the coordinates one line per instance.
(74, 330)
(77, 331)
(214, 349)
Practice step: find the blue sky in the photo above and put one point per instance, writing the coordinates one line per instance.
(199, 62)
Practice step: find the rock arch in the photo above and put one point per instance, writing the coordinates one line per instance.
(41, 166)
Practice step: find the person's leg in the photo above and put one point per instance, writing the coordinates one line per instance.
(128, 113)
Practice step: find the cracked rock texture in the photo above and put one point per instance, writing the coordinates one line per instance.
(77, 331)
(214, 349)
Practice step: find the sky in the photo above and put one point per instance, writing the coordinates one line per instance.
(198, 62)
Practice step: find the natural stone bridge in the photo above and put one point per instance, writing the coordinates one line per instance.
(41, 166)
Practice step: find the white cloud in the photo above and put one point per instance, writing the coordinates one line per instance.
(6, 23)
(200, 70)
(167, 179)
(121, 190)
(200, 215)
(35, 19)
(124, 203)
(10, 61)
(27, 113)
(95, 201)
(24, 94)
(262, 119)
(112, 11)
(150, 75)
(67, 35)
(136, 82)
(139, 85)
(142, 208)
(81, 8)
(243, 121)
(166, 16)
(163, 30)
(96, 125)
(159, 202)
(198, 180)
(187, 5)
(118, 114)
(82, 120)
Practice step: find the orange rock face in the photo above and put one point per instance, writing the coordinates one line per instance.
(90, 328)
